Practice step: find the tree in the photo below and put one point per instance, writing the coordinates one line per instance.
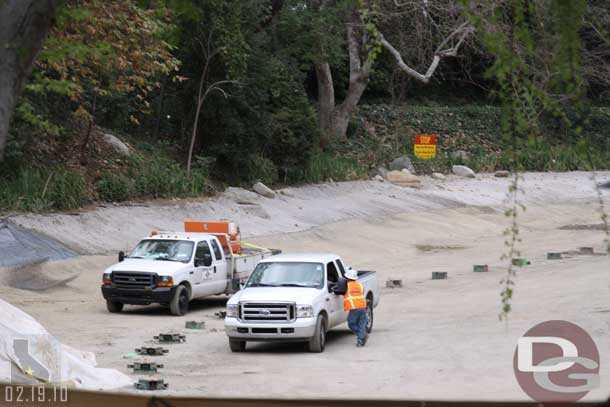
(100, 49)
(363, 23)
(204, 90)
(24, 26)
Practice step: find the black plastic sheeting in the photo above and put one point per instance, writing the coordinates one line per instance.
(20, 247)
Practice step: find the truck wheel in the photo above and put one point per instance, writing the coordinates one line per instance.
(317, 343)
(180, 303)
(369, 315)
(114, 307)
(237, 345)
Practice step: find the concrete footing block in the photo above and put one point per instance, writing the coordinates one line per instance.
(439, 275)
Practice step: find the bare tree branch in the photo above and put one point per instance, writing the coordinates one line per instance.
(460, 33)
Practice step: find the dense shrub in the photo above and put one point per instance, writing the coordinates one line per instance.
(32, 189)
(114, 187)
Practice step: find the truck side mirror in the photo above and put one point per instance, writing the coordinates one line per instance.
(340, 288)
(121, 256)
(205, 261)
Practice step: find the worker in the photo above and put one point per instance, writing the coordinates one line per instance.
(355, 303)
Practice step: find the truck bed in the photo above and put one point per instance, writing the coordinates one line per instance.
(241, 265)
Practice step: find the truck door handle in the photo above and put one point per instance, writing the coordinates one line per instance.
(328, 299)
(214, 269)
(192, 272)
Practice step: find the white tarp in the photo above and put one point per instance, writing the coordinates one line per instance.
(27, 350)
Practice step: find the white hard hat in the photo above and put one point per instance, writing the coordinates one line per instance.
(351, 274)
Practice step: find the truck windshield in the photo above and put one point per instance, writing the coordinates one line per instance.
(287, 275)
(172, 250)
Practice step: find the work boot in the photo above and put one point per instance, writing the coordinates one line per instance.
(359, 344)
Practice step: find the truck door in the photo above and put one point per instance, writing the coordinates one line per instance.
(219, 267)
(336, 314)
(203, 274)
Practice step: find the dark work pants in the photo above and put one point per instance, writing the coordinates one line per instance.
(356, 320)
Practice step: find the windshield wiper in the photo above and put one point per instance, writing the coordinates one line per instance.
(134, 257)
(261, 285)
(165, 259)
(295, 285)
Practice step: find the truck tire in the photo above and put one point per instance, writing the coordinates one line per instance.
(318, 341)
(114, 307)
(180, 303)
(236, 345)
(369, 315)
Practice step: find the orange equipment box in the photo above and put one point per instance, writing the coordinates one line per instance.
(220, 229)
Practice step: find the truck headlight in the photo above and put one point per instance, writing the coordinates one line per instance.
(165, 281)
(232, 311)
(304, 311)
(107, 279)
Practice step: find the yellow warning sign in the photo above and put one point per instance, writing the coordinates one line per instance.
(425, 146)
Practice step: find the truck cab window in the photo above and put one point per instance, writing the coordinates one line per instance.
(202, 249)
(216, 248)
(331, 273)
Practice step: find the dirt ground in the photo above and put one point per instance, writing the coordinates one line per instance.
(436, 339)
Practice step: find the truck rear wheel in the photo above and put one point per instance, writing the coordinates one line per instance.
(369, 315)
(317, 343)
(236, 345)
(114, 307)
(180, 303)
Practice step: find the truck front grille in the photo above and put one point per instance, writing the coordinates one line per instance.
(135, 280)
(267, 312)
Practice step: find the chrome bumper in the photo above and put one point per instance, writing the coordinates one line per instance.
(300, 329)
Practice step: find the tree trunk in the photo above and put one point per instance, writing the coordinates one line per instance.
(189, 160)
(334, 120)
(326, 103)
(24, 25)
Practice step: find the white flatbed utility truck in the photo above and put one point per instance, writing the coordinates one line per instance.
(294, 298)
(172, 268)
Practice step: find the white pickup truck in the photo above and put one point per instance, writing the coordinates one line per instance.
(294, 298)
(172, 268)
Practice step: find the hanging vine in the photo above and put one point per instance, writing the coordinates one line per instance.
(531, 86)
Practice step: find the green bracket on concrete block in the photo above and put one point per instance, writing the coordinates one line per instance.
(521, 262)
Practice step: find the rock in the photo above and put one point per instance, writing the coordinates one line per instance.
(286, 193)
(403, 179)
(438, 175)
(406, 171)
(378, 178)
(118, 146)
(242, 196)
(263, 190)
(502, 174)
(402, 162)
(460, 155)
(383, 171)
(463, 171)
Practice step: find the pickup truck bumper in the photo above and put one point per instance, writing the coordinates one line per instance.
(299, 330)
(138, 297)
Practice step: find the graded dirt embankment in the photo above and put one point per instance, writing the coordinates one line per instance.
(436, 339)
(108, 229)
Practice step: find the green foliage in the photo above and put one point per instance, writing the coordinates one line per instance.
(325, 166)
(31, 189)
(157, 176)
(113, 187)
(259, 168)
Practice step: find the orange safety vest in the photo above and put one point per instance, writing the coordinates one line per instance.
(354, 296)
